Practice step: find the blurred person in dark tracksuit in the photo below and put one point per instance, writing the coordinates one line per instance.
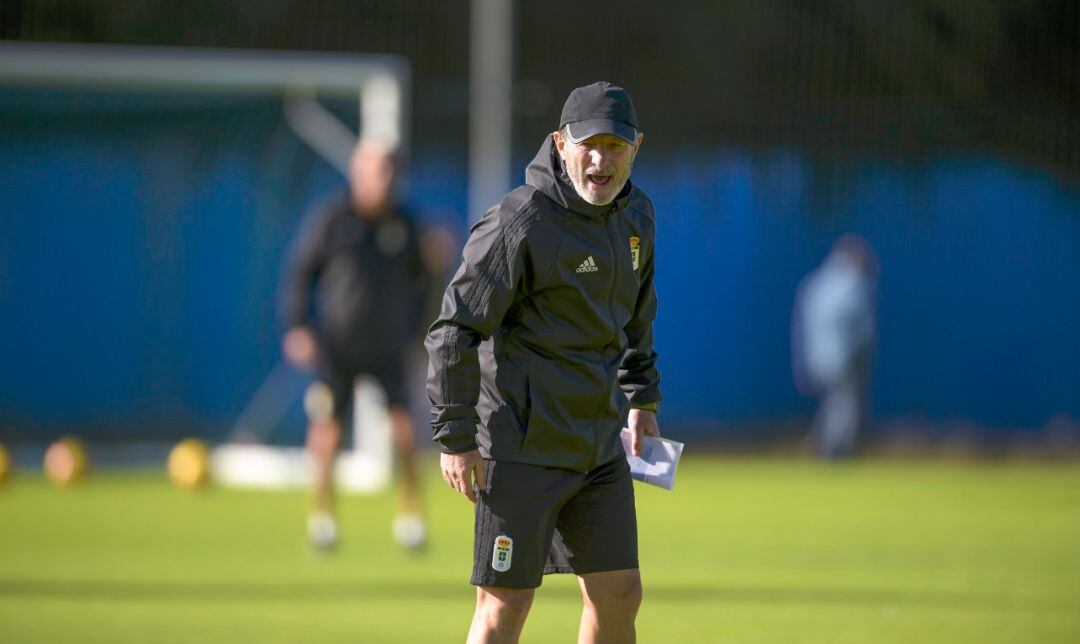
(354, 300)
(833, 338)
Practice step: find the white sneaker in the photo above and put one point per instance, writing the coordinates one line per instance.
(322, 530)
(409, 531)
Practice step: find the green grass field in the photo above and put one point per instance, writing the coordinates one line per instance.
(748, 550)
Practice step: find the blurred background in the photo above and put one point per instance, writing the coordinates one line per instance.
(868, 242)
(142, 231)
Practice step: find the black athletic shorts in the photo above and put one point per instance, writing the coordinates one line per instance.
(532, 520)
(341, 378)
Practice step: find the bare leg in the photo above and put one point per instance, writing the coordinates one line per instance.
(611, 601)
(500, 614)
(409, 529)
(401, 426)
(324, 434)
(323, 437)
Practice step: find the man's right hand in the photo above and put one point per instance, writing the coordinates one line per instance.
(461, 470)
(299, 347)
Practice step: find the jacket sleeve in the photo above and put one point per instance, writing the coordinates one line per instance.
(306, 260)
(484, 288)
(638, 375)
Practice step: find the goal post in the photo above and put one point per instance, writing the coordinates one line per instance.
(380, 87)
(381, 82)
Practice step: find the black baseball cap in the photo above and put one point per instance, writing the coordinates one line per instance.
(600, 108)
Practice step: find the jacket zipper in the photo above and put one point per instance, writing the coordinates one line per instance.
(609, 226)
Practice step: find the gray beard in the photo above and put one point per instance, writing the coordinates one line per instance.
(581, 193)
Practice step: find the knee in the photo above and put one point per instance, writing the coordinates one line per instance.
(323, 437)
(402, 431)
(504, 603)
(628, 595)
(622, 595)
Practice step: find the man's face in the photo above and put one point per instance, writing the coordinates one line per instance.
(371, 177)
(598, 166)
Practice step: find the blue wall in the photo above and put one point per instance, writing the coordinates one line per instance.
(140, 248)
(978, 303)
(140, 251)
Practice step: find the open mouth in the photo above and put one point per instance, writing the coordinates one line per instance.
(600, 179)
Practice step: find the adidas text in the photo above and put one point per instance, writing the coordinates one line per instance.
(588, 266)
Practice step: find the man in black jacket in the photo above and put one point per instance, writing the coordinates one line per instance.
(542, 351)
(353, 305)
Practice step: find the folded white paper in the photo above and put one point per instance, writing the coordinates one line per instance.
(658, 461)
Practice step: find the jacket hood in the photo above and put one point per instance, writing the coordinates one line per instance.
(547, 173)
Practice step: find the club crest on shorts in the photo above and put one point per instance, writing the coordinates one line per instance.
(504, 550)
(635, 251)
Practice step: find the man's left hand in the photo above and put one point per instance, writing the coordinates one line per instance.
(643, 423)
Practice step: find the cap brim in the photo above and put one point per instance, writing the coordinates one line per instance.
(582, 130)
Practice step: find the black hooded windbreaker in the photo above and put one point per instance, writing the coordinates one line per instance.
(545, 335)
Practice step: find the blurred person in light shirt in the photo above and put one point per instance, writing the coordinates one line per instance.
(833, 338)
